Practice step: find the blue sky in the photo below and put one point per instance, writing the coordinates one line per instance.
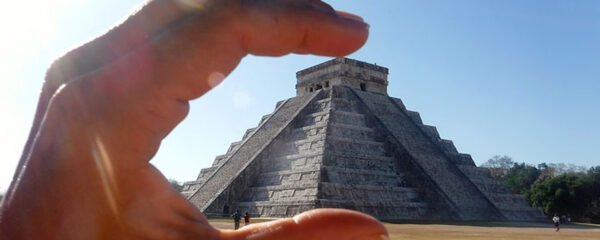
(519, 78)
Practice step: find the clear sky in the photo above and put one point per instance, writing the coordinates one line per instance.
(517, 78)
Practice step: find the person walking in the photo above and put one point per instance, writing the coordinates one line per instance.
(556, 221)
(246, 219)
(236, 219)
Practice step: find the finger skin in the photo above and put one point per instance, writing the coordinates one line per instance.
(316, 224)
(106, 106)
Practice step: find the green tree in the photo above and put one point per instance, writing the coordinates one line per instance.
(593, 209)
(564, 194)
(520, 177)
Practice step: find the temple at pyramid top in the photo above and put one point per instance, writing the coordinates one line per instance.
(343, 71)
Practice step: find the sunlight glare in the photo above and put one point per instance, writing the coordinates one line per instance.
(105, 169)
(215, 79)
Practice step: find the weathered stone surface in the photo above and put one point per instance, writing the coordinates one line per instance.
(343, 143)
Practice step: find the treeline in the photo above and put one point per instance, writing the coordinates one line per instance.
(562, 189)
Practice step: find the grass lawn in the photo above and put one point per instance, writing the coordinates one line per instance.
(474, 230)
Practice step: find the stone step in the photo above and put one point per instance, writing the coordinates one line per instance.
(324, 100)
(461, 159)
(293, 207)
(219, 160)
(362, 171)
(298, 155)
(530, 214)
(351, 140)
(234, 146)
(509, 201)
(376, 203)
(288, 172)
(320, 105)
(314, 118)
(206, 172)
(447, 146)
(332, 191)
(293, 193)
(488, 186)
(415, 117)
(295, 162)
(343, 104)
(360, 192)
(300, 185)
(279, 103)
(399, 102)
(354, 146)
(431, 131)
(362, 177)
(276, 209)
(309, 146)
(305, 132)
(265, 117)
(190, 187)
(364, 157)
(336, 202)
(352, 131)
(361, 187)
(312, 144)
(475, 172)
(248, 132)
(345, 117)
(287, 177)
(372, 162)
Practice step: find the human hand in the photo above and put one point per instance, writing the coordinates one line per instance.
(85, 171)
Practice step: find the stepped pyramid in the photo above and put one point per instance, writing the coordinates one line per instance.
(342, 142)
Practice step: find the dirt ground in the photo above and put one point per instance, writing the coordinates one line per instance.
(477, 230)
(503, 230)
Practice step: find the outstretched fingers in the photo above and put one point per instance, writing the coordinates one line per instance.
(320, 224)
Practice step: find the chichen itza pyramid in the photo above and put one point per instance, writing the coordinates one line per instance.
(342, 142)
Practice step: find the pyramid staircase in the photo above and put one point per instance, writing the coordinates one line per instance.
(339, 147)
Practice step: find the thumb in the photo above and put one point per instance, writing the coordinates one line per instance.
(320, 224)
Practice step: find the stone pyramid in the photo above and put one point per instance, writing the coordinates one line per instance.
(342, 142)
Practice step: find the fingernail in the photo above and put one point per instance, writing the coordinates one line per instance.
(354, 18)
(350, 16)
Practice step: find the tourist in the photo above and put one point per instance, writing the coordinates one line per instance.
(236, 219)
(556, 221)
(246, 219)
(105, 107)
